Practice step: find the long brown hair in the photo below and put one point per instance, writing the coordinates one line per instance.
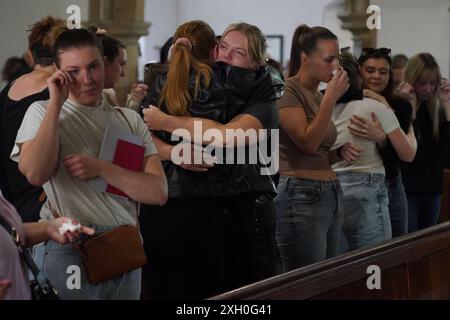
(197, 58)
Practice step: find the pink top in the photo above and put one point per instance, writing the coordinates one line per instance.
(11, 267)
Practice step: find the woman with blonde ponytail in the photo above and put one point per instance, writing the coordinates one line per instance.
(217, 230)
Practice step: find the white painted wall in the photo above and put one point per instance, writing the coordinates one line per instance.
(413, 26)
(408, 26)
(331, 21)
(162, 14)
(17, 15)
(272, 17)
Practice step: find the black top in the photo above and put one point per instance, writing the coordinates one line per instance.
(15, 187)
(425, 174)
(232, 91)
(402, 110)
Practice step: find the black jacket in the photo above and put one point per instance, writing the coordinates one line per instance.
(425, 174)
(232, 91)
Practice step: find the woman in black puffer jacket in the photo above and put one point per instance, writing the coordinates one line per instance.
(217, 231)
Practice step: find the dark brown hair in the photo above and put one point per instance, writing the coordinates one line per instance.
(111, 45)
(350, 65)
(42, 38)
(305, 40)
(380, 53)
(75, 38)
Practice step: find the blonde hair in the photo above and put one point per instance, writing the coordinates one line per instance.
(424, 66)
(197, 57)
(256, 41)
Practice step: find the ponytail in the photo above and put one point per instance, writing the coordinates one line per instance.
(176, 93)
(305, 41)
(191, 53)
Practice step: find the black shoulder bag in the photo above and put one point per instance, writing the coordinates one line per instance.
(41, 288)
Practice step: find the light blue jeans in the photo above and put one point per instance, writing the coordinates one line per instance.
(366, 210)
(309, 221)
(55, 260)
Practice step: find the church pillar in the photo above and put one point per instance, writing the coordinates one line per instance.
(124, 20)
(355, 20)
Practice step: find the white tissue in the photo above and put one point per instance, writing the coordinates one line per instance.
(69, 226)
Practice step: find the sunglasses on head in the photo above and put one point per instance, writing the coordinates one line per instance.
(386, 52)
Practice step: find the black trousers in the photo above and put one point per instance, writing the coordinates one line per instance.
(199, 247)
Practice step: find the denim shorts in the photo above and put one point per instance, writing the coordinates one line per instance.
(366, 209)
(62, 263)
(309, 221)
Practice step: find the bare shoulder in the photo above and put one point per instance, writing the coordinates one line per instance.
(27, 85)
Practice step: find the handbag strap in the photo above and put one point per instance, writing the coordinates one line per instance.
(24, 254)
(123, 115)
(55, 214)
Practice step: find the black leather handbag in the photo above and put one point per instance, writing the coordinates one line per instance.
(41, 288)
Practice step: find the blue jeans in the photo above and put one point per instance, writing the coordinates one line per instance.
(398, 206)
(309, 221)
(423, 211)
(366, 211)
(54, 259)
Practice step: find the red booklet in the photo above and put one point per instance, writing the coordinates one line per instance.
(129, 156)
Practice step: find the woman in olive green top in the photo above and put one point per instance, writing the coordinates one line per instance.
(309, 222)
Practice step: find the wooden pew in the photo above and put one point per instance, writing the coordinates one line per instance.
(445, 205)
(414, 266)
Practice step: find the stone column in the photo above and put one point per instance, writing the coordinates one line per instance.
(355, 19)
(124, 20)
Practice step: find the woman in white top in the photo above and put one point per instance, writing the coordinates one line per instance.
(365, 204)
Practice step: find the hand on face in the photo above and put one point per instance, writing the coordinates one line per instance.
(337, 86)
(82, 167)
(444, 92)
(406, 91)
(86, 67)
(58, 86)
